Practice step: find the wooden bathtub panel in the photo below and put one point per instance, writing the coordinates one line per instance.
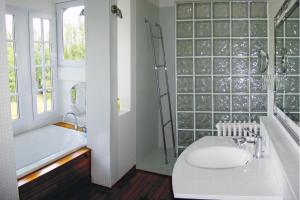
(66, 175)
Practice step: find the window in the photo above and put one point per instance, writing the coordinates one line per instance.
(71, 33)
(42, 63)
(12, 66)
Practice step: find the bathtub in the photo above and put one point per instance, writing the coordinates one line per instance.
(38, 148)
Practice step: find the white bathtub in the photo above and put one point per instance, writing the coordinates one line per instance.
(40, 147)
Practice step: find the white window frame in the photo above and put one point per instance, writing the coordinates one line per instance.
(60, 7)
(53, 58)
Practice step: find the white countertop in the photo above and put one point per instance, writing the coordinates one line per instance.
(253, 181)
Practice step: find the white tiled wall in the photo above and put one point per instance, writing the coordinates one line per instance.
(8, 183)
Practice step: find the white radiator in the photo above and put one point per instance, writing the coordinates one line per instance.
(236, 128)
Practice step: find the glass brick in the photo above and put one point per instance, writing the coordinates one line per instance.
(202, 10)
(221, 10)
(221, 84)
(257, 44)
(203, 120)
(203, 84)
(184, 30)
(185, 84)
(292, 84)
(239, 10)
(221, 66)
(221, 29)
(202, 65)
(201, 134)
(202, 29)
(259, 28)
(184, 11)
(293, 66)
(292, 46)
(239, 66)
(240, 84)
(279, 101)
(185, 102)
(240, 47)
(256, 85)
(184, 47)
(240, 103)
(221, 103)
(202, 47)
(221, 47)
(185, 138)
(203, 103)
(237, 117)
(185, 120)
(292, 103)
(292, 28)
(259, 103)
(295, 13)
(279, 30)
(256, 117)
(239, 28)
(185, 66)
(279, 46)
(258, 10)
(253, 67)
(220, 117)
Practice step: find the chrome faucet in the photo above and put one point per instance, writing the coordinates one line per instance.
(75, 119)
(258, 142)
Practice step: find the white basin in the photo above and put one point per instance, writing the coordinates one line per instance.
(218, 157)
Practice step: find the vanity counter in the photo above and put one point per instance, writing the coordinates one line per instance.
(254, 181)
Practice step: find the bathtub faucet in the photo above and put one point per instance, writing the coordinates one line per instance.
(75, 119)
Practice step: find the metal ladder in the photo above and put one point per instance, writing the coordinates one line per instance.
(163, 67)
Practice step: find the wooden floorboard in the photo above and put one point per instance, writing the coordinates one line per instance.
(136, 185)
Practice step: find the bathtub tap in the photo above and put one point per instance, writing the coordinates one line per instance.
(75, 119)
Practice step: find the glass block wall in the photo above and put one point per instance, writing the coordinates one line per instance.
(216, 65)
(287, 46)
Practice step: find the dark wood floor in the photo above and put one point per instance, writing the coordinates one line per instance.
(136, 185)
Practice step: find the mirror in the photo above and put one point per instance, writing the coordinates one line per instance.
(78, 98)
(287, 43)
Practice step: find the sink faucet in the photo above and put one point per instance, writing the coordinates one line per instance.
(75, 119)
(258, 142)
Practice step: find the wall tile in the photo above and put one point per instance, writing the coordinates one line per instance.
(203, 102)
(221, 9)
(221, 66)
(240, 103)
(185, 66)
(185, 120)
(221, 103)
(184, 30)
(239, 10)
(240, 47)
(292, 84)
(221, 84)
(240, 84)
(239, 28)
(259, 103)
(221, 47)
(185, 102)
(202, 47)
(258, 28)
(292, 103)
(221, 29)
(256, 85)
(256, 117)
(202, 66)
(258, 10)
(202, 10)
(185, 138)
(184, 84)
(292, 46)
(292, 28)
(201, 134)
(240, 66)
(220, 117)
(184, 47)
(185, 11)
(240, 117)
(202, 29)
(293, 66)
(257, 44)
(203, 84)
(203, 121)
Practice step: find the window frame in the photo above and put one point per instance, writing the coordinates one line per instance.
(60, 7)
(53, 65)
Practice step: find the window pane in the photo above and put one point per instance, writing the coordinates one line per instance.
(37, 29)
(39, 77)
(48, 77)
(12, 77)
(49, 100)
(9, 20)
(47, 51)
(46, 25)
(10, 54)
(40, 102)
(73, 34)
(14, 107)
(37, 53)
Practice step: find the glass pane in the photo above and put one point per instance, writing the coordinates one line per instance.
(37, 53)
(40, 102)
(73, 34)
(10, 54)
(46, 25)
(48, 77)
(9, 20)
(47, 52)
(14, 107)
(39, 77)
(37, 29)
(12, 81)
(49, 100)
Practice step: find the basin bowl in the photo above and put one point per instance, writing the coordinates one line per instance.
(218, 157)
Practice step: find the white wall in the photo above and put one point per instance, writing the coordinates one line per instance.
(36, 5)
(146, 98)
(8, 179)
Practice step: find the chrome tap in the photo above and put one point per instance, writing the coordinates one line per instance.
(258, 142)
(75, 119)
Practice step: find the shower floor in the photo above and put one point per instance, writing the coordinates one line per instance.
(155, 162)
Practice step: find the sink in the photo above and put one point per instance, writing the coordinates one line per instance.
(218, 157)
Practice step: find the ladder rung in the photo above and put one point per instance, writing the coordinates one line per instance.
(160, 66)
(165, 124)
(156, 37)
(164, 94)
